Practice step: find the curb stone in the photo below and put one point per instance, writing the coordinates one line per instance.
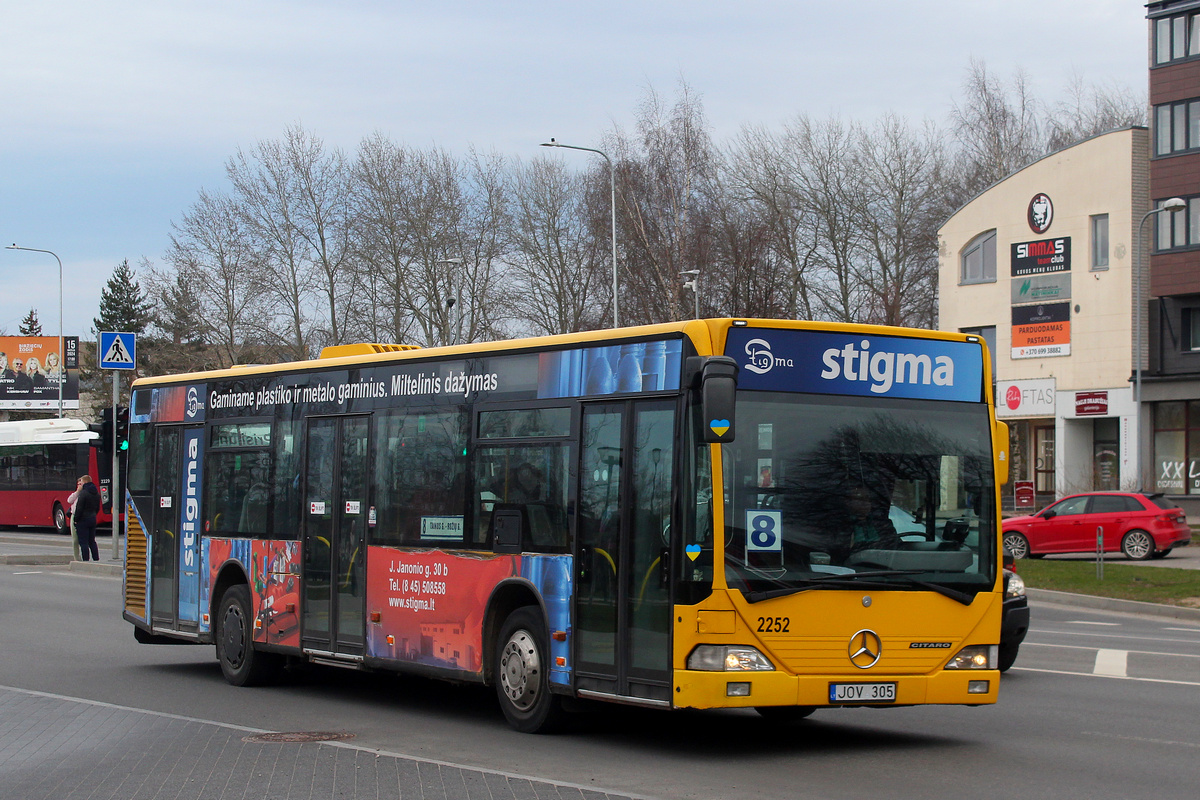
(1113, 604)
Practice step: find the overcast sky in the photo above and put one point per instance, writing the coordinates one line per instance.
(114, 114)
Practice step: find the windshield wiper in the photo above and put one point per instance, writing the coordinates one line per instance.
(855, 580)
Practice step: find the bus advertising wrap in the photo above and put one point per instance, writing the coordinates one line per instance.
(31, 369)
(869, 366)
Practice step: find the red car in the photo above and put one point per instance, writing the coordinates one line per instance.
(1139, 525)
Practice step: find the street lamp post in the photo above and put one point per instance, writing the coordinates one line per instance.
(694, 285)
(62, 355)
(451, 302)
(612, 179)
(1174, 205)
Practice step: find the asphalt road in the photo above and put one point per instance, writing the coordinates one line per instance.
(1099, 706)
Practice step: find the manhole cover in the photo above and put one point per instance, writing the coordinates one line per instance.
(300, 737)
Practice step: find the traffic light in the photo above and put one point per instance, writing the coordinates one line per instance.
(106, 427)
(122, 428)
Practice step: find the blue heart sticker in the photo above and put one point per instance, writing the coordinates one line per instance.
(693, 551)
(719, 426)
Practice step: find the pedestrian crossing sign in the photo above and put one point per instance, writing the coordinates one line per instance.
(117, 350)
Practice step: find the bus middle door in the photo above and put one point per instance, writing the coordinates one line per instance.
(623, 602)
(335, 548)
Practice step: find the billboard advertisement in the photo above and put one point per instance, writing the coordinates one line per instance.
(1041, 331)
(31, 369)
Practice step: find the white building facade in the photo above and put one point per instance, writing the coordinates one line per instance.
(1041, 265)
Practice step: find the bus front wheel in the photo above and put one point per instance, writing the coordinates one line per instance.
(61, 526)
(522, 673)
(241, 664)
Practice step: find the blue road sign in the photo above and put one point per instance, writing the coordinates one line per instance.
(118, 350)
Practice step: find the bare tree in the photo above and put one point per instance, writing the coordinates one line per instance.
(664, 209)
(1092, 109)
(557, 270)
(761, 172)
(292, 195)
(902, 203)
(996, 127)
(211, 253)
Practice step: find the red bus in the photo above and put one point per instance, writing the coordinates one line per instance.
(40, 460)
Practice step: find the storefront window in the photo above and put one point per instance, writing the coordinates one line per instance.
(1177, 448)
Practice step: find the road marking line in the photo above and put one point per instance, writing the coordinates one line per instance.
(1187, 630)
(1028, 643)
(27, 573)
(1113, 663)
(1113, 677)
(1088, 622)
(1052, 632)
(1140, 739)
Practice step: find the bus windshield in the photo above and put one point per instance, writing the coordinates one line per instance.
(835, 492)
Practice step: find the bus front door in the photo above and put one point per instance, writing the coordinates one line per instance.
(335, 528)
(164, 547)
(623, 602)
(175, 547)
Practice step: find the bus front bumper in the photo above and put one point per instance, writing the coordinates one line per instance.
(697, 689)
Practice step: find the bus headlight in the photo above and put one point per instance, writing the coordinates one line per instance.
(976, 656)
(1015, 586)
(724, 658)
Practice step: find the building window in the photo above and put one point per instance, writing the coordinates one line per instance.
(1176, 230)
(979, 259)
(1190, 322)
(1100, 241)
(1176, 38)
(1177, 127)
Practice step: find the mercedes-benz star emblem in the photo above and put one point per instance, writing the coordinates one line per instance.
(865, 649)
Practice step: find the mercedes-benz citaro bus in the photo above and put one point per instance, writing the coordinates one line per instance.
(784, 516)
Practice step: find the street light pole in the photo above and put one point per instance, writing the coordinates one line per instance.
(1174, 205)
(612, 180)
(694, 285)
(62, 355)
(453, 300)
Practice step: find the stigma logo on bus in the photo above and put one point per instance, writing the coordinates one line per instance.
(844, 363)
(882, 370)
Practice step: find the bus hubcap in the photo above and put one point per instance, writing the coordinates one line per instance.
(520, 670)
(231, 630)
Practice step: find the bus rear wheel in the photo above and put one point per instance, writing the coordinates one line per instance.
(61, 525)
(522, 674)
(241, 664)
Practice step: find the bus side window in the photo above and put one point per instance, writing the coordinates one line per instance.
(533, 479)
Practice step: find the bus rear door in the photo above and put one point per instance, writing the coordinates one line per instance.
(623, 603)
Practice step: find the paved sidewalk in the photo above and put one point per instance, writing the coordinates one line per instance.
(61, 748)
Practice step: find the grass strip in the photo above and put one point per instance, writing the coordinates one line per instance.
(1170, 586)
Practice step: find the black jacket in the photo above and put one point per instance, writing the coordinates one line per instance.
(88, 504)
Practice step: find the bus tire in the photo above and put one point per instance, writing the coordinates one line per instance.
(1008, 656)
(784, 713)
(61, 525)
(241, 664)
(522, 674)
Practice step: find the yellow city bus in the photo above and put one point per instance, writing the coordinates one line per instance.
(784, 516)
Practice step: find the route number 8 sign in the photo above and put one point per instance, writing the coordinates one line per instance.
(764, 531)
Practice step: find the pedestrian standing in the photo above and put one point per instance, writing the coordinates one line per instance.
(72, 501)
(86, 509)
